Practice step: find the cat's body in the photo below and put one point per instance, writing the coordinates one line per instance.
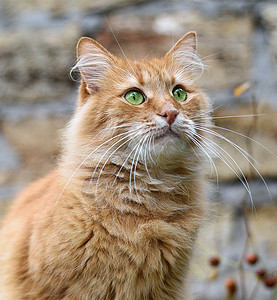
(118, 218)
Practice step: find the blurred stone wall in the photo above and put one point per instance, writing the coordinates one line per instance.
(238, 43)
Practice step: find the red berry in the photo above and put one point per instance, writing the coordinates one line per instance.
(260, 273)
(214, 261)
(270, 281)
(251, 258)
(231, 286)
(213, 274)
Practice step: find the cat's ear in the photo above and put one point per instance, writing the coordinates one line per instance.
(183, 53)
(93, 62)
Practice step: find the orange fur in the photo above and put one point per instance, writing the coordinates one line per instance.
(119, 216)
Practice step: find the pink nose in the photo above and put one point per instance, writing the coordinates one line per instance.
(170, 115)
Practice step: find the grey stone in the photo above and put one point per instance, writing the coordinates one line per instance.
(35, 64)
(9, 159)
(9, 191)
(238, 39)
(261, 193)
(15, 113)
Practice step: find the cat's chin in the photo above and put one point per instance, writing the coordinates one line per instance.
(169, 143)
(168, 136)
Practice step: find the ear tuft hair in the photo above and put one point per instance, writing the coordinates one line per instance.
(93, 62)
(183, 54)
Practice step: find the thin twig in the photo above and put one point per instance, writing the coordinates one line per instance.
(244, 199)
(241, 269)
(254, 291)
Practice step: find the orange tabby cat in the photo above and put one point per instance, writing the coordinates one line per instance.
(119, 216)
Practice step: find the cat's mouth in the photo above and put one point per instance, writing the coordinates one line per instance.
(168, 134)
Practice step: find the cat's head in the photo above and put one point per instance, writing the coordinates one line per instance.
(144, 110)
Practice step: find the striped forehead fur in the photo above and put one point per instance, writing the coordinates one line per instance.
(185, 60)
(95, 63)
(92, 67)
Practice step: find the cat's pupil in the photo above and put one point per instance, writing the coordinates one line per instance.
(134, 96)
(179, 94)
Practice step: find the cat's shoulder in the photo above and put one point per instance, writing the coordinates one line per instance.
(35, 194)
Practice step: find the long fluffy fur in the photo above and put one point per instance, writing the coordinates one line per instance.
(119, 216)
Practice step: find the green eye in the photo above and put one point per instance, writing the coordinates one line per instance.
(180, 94)
(134, 97)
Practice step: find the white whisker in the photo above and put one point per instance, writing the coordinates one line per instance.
(244, 153)
(119, 45)
(118, 126)
(245, 136)
(135, 170)
(79, 166)
(147, 155)
(122, 166)
(120, 146)
(241, 150)
(212, 164)
(132, 166)
(228, 160)
(206, 112)
(235, 116)
(127, 134)
(145, 163)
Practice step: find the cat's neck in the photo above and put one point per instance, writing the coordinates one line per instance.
(139, 188)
